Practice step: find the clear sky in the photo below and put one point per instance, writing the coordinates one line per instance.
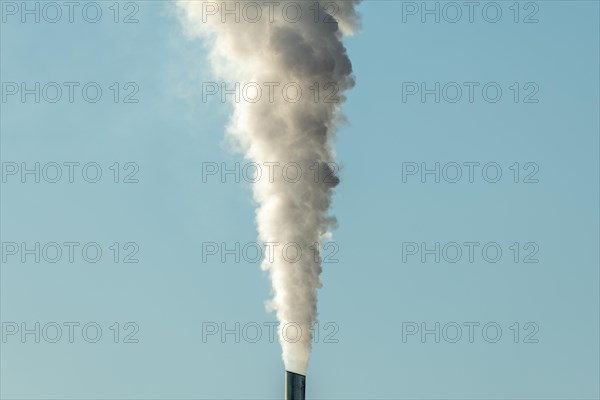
(373, 299)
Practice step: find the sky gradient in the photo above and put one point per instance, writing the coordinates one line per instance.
(375, 290)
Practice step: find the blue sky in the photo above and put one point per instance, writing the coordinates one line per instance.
(372, 295)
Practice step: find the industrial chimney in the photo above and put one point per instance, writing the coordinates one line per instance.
(295, 386)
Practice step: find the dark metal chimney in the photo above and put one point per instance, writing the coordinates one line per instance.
(295, 386)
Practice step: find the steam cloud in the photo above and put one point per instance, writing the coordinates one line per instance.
(280, 48)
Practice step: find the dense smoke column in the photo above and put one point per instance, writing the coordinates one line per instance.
(292, 70)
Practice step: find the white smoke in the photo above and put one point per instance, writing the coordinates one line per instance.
(280, 49)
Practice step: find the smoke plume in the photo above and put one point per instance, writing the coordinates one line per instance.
(285, 121)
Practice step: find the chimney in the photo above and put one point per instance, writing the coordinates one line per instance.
(295, 386)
